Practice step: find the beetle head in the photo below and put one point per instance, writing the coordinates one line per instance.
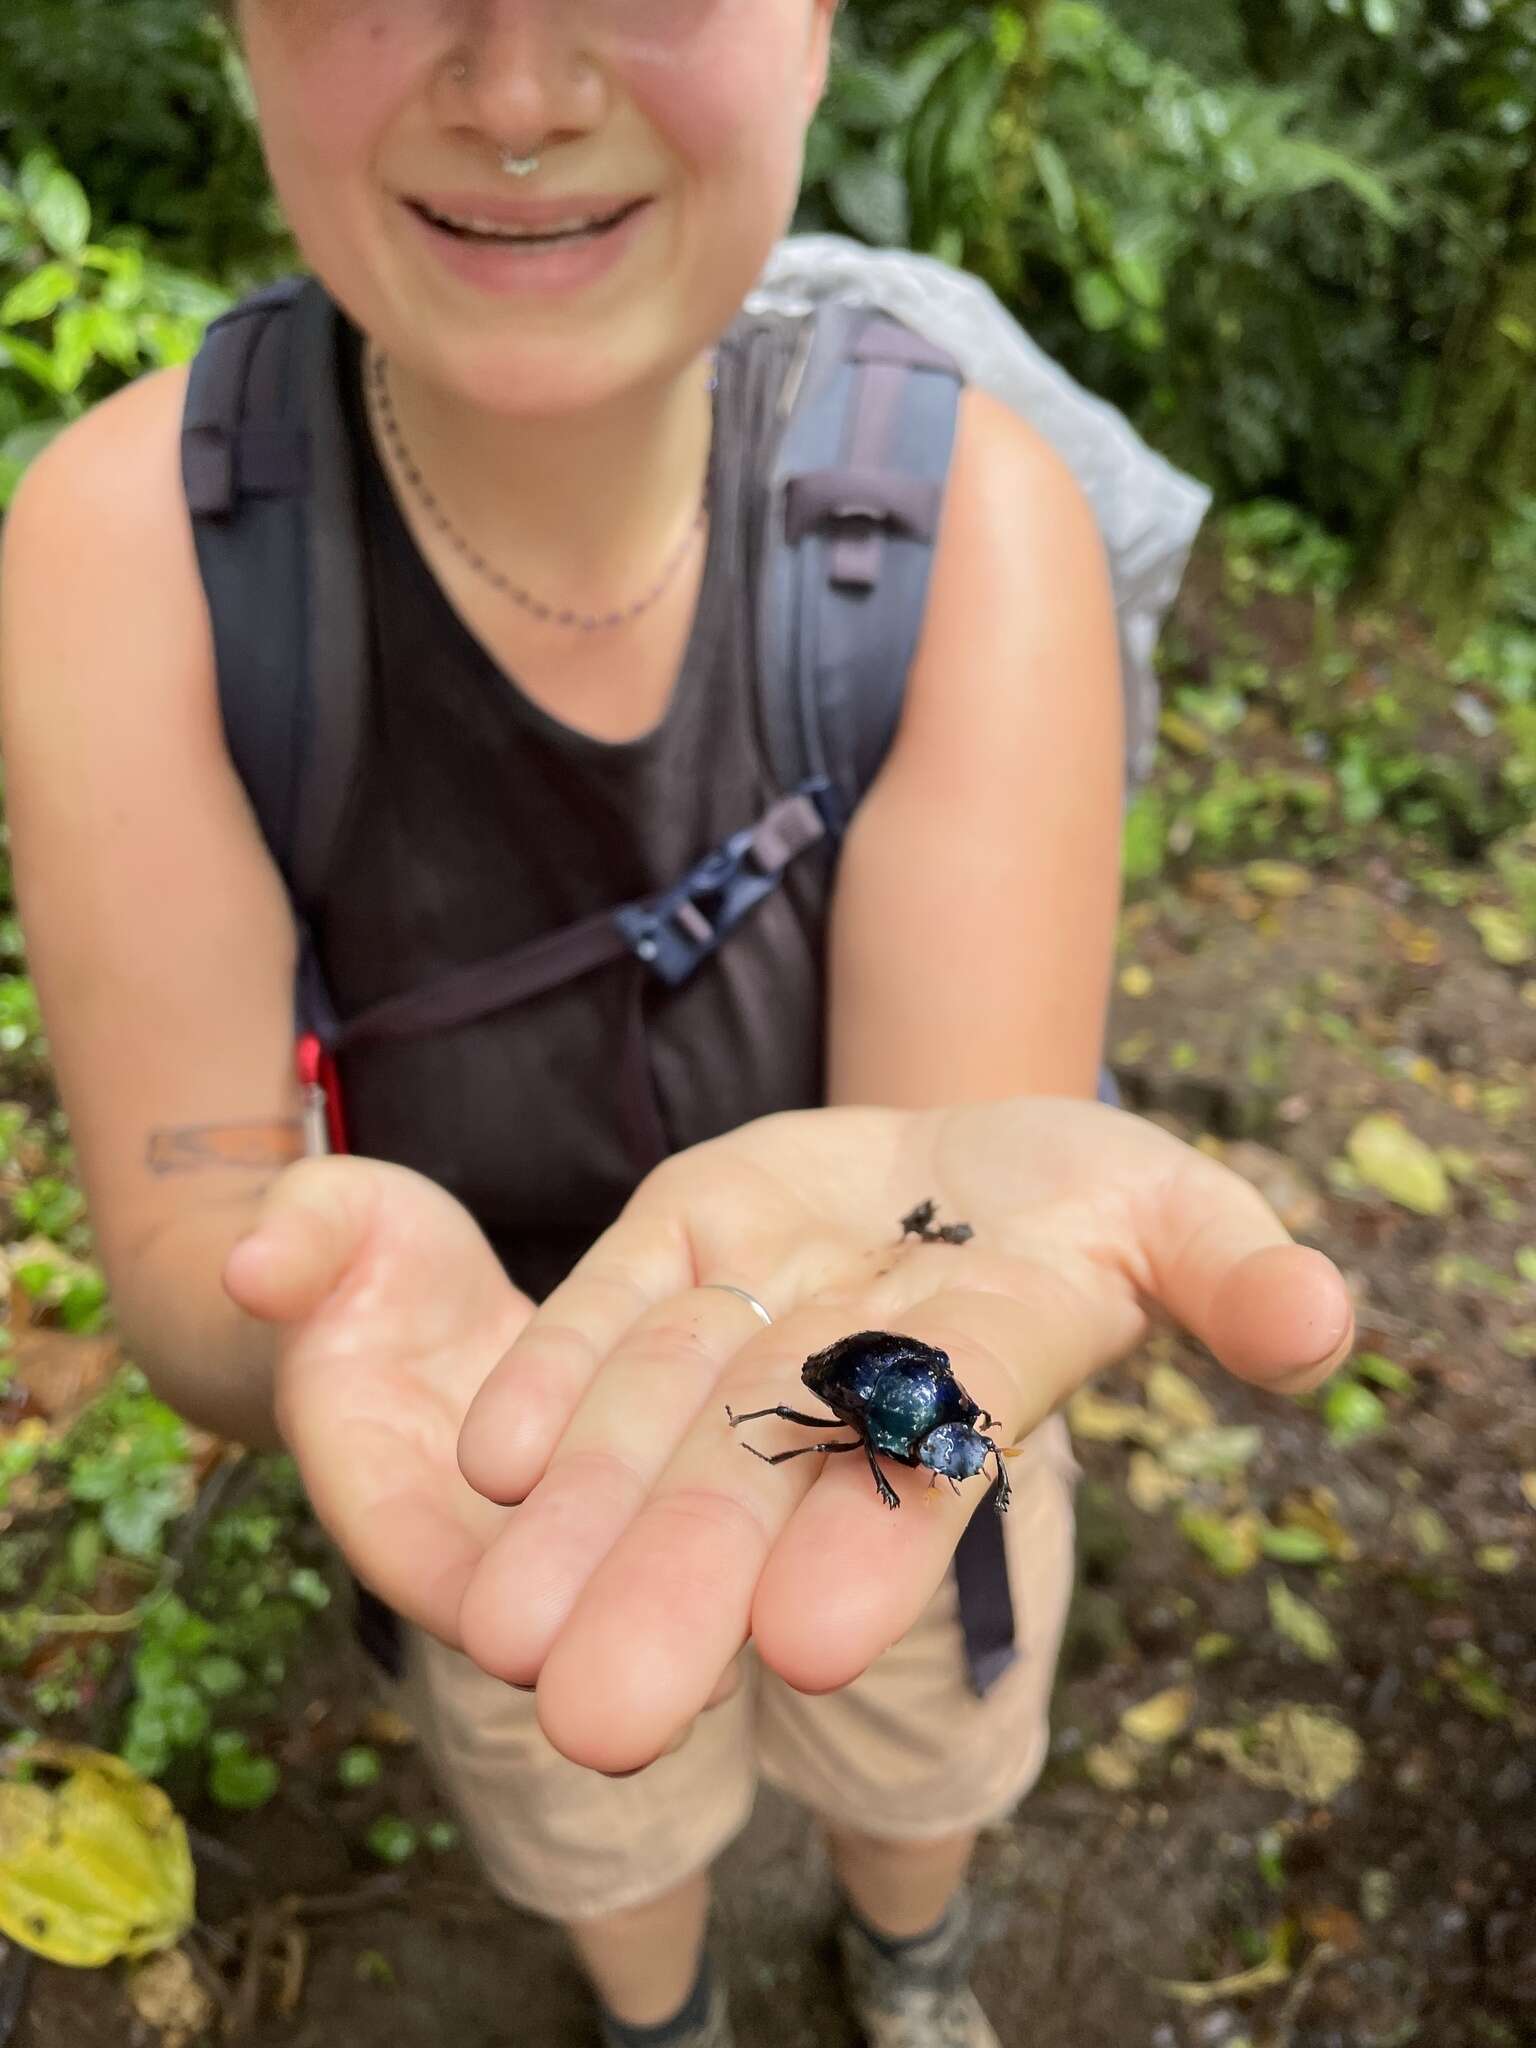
(955, 1450)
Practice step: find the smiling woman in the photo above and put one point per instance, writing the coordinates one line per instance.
(545, 686)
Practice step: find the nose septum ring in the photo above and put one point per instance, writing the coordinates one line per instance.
(518, 166)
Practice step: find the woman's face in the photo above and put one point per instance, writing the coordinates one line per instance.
(388, 124)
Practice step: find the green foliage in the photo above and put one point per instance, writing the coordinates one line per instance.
(1257, 228)
(150, 99)
(77, 316)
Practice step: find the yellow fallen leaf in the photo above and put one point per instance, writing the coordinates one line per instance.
(1162, 1718)
(1528, 1488)
(1300, 1623)
(1281, 879)
(1136, 982)
(1298, 1750)
(1150, 1485)
(1113, 1766)
(95, 1869)
(1099, 1420)
(1504, 936)
(1387, 1155)
(1171, 1394)
(166, 1995)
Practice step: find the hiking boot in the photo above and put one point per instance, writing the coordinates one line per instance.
(922, 1997)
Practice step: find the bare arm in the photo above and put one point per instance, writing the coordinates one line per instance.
(973, 927)
(158, 931)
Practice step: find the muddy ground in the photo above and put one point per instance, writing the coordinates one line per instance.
(1397, 1907)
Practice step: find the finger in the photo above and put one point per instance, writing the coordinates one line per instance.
(527, 1401)
(1223, 1265)
(667, 1610)
(848, 1577)
(409, 1539)
(313, 1222)
(526, 1404)
(626, 1427)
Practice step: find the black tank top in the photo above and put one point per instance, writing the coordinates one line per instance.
(478, 822)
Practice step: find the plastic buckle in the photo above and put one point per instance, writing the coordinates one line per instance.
(673, 933)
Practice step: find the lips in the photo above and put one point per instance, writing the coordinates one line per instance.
(523, 223)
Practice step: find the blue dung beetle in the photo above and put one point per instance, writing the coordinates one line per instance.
(903, 1400)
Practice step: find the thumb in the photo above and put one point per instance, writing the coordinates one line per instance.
(313, 1224)
(1273, 1311)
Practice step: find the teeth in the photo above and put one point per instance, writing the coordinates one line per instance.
(472, 224)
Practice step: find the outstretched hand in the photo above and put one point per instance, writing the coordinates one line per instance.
(646, 1547)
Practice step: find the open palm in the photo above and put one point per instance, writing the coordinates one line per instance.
(646, 1548)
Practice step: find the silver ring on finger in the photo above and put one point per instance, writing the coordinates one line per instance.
(725, 1287)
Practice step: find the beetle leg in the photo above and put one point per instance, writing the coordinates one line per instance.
(883, 1486)
(785, 1414)
(1004, 1490)
(804, 1451)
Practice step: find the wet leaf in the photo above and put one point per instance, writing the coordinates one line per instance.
(1160, 1719)
(1387, 1156)
(95, 1869)
(1298, 1750)
(1300, 1623)
(1232, 1546)
(1179, 1399)
(1503, 933)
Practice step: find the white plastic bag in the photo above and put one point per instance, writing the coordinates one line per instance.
(1148, 511)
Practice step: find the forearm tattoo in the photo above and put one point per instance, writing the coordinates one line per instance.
(258, 1147)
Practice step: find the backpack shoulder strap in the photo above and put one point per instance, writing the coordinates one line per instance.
(269, 483)
(870, 409)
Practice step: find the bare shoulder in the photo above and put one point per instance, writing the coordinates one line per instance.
(99, 584)
(111, 481)
(1006, 474)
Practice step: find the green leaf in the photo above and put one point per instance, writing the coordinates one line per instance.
(1056, 181)
(1352, 1412)
(39, 296)
(358, 1768)
(871, 199)
(1294, 1546)
(220, 1676)
(1101, 304)
(62, 213)
(1387, 1155)
(1370, 1365)
(238, 1779)
(392, 1840)
(1300, 1623)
